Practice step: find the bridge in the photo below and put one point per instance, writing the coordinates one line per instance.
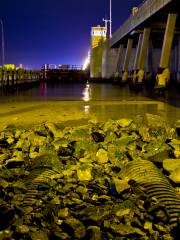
(146, 46)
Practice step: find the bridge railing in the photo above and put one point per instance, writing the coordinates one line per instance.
(145, 10)
(62, 67)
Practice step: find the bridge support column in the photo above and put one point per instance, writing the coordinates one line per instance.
(120, 52)
(109, 61)
(178, 60)
(136, 60)
(127, 60)
(149, 63)
(163, 74)
(143, 55)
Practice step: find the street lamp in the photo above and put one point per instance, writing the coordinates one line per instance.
(2, 41)
(109, 20)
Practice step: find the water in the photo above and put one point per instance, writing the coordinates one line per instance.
(76, 103)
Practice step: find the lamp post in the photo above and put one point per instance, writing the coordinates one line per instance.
(2, 41)
(110, 20)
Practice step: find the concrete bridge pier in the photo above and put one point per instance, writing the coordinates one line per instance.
(149, 65)
(127, 60)
(120, 53)
(143, 55)
(163, 74)
(178, 61)
(136, 60)
(110, 58)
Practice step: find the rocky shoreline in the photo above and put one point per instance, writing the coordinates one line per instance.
(66, 183)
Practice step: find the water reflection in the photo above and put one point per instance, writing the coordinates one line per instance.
(43, 88)
(86, 93)
(101, 100)
(86, 108)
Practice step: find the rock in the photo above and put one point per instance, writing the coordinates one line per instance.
(39, 235)
(63, 213)
(123, 212)
(56, 201)
(57, 133)
(175, 175)
(77, 228)
(3, 183)
(125, 230)
(124, 122)
(121, 185)
(154, 121)
(177, 126)
(22, 229)
(84, 174)
(148, 225)
(171, 164)
(102, 156)
(156, 151)
(94, 233)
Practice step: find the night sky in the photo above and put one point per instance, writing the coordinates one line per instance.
(54, 31)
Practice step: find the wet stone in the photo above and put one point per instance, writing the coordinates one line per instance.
(175, 176)
(171, 164)
(102, 156)
(22, 229)
(94, 233)
(68, 185)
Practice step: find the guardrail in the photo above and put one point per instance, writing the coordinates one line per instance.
(145, 10)
(62, 67)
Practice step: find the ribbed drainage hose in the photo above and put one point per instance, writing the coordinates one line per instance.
(36, 178)
(146, 175)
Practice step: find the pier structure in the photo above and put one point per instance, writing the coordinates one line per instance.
(16, 77)
(145, 48)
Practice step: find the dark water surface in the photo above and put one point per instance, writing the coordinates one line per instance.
(80, 102)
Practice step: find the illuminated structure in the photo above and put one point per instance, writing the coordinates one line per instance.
(98, 38)
(98, 35)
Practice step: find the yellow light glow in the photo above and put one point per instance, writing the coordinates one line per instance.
(86, 61)
(86, 93)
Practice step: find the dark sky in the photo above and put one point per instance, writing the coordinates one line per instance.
(54, 31)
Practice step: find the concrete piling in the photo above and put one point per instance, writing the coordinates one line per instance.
(127, 60)
(163, 74)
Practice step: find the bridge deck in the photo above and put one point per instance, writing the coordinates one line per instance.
(145, 11)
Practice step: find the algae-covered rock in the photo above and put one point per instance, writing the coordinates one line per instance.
(84, 174)
(77, 228)
(125, 230)
(102, 156)
(175, 175)
(94, 233)
(121, 185)
(171, 164)
(22, 229)
(39, 235)
(124, 122)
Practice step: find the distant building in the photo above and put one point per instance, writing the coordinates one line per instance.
(98, 34)
(9, 66)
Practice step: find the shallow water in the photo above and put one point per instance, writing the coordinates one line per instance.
(76, 103)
